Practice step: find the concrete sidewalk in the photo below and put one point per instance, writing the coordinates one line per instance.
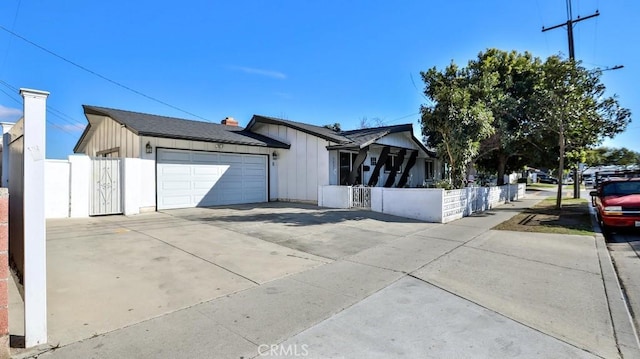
(454, 290)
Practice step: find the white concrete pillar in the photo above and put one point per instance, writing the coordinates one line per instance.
(131, 185)
(80, 185)
(35, 250)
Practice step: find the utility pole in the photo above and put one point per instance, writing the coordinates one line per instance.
(572, 57)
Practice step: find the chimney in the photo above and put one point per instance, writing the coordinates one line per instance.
(229, 121)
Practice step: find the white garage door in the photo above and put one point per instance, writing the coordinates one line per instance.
(197, 179)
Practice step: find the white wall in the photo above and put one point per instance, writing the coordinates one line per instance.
(147, 192)
(56, 188)
(334, 196)
(424, 204)
(80, 189)
(301, 169)
(400, 139)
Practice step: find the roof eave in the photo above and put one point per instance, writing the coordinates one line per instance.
(276, 144)
(266, 120)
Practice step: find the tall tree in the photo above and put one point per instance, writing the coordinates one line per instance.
(509, 99)
(571, 109)
(458, 119)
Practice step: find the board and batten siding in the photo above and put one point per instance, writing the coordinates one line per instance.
(300, 169)
(110, 135)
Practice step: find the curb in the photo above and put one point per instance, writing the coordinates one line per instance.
(624, 331)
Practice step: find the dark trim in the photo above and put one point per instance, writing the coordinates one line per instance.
(423, 147)
(362, 155)
(84, 134)
(178, 137)
(272, 121)
(392, 175)
(375, 175)
(110, 150)
(410, 163)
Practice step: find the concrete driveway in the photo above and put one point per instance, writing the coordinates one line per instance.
(106, 273)
(339, 283)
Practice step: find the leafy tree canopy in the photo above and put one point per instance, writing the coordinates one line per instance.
(334, 127)
(603, 156)
(458, 119)
(507, 109)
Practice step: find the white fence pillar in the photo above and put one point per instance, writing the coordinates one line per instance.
(131, 186)
(35, 253)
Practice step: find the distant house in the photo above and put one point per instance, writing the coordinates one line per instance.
(205, 164)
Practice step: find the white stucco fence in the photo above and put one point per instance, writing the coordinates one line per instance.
(334, 196)
(68, 186)
(425, 204)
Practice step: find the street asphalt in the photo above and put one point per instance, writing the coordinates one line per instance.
(287, 280)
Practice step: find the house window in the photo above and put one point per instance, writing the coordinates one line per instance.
(390, 163)
(428, 170)
(347, 160)
(374, 161)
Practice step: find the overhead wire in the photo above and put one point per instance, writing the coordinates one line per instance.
(119, 84)
(546, 36)
(13, 25)
(52, 111)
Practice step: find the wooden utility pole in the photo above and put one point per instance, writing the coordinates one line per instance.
(572, 57)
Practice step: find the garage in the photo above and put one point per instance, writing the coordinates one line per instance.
(200, 179)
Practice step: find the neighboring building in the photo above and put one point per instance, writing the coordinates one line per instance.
(205, 164)
(4, 171)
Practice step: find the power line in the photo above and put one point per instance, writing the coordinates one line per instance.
(63, 116)
(401, 118)
(99, 75)
(13, 25)
(61, 128)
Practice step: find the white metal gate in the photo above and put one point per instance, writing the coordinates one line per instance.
(106, 191)
(360, 197)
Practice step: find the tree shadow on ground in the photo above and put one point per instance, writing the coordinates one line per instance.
(292, 214)
(572, 218)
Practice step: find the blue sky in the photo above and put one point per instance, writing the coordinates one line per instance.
(311, 61)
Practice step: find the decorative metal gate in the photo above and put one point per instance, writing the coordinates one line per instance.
(360, 197)
(106, 191)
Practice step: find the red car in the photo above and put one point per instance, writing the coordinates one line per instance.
(617, 202)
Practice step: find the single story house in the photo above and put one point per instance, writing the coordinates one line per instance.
(271, 159)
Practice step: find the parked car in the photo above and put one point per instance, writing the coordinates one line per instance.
(544, 178)
(617, 203)
(588, 180)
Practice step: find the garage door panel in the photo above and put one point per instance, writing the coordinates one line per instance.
(175, 201)
(253, 159)
(204, 157)
(211, 170)
(173, 157)
(257, 172)
(175, 170)
(191, 178)
(176, 185)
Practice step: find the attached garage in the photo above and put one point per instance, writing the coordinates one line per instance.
(199, 179)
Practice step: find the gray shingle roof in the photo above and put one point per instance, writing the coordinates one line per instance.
(144, 124)
(366, 136)
(318, 131)
(344, 139)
